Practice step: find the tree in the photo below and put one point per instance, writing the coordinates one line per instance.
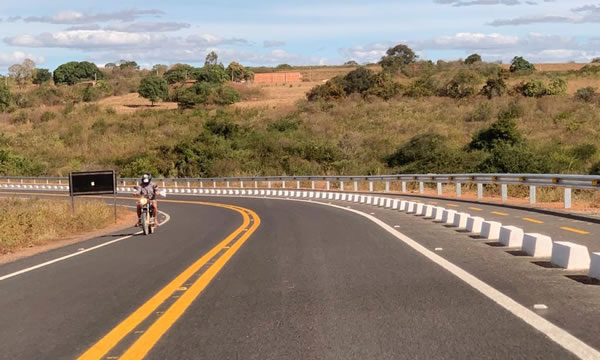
(179, 73)
(159, 69)
(397, 57)
(22, 72)
(284, 67)
(596, 60)
(237, 72)
(5, 97)
(359, 81)
(211, 59)
(520, 65)
(351, 63)
(502, 131)
(333, 89)
(214, 74)
(128, 65)
(74, 72)
(472, 59)
(41, 76)
(153, 88)
(110, 66)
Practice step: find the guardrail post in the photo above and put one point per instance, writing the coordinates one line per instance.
(387, 186)
(458, 190)
(355, 186)
(241, 184)
(163, 183)
(283, 184)
(201, 184)
(59, 182)
(227, 184)
(439, 189)
(342, 185)
(504, 192)
(328, 185)
(479, 191)
(188, 184)
(567, 198)
(255, 184)
(175, 183)
(47, 181)
(404, 186)
(532, 192)
(312, 184)
(370, 186)
(421, 187)
(34, 181)
(269, 184)
(21, 181)
(214, 183)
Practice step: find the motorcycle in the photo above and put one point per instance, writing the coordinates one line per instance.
(147, 216)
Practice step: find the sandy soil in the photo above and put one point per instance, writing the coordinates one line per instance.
(130, 103)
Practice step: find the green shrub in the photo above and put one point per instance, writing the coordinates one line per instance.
(14, 165)
(223, 128)
(333, 89)
(521, 66)
(139, 165)
(587, 94)
(359, 81)
(502, 131)
(203, 93)
(557, 86)
(420, 88)
(74, 72)
(483, 112)
(41, 76)
(20, 118)
(153, 88)
(589, 70)
(513, 158)
(284, 124)
(214, 74)
(47, 116)
(472, 59)
(384, 87)
(532, 88)
(5, 97)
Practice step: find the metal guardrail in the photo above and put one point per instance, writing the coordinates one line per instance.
(568, 182)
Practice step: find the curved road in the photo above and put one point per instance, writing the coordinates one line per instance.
(278, 279)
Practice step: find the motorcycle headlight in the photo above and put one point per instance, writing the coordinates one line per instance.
(143, 201)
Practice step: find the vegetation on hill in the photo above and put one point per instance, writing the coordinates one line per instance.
(410, 116)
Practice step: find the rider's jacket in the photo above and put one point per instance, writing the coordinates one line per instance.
(147, 190)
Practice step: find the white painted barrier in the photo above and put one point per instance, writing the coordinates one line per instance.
(570, 256)
(474, 224)
(419, 208)
(338, 196)
(344, 197)
(491, 230)
(460, 220)
(537, 245)
(595, 266)
(382, 202)
(437, 213)
(403, 205)
(330, 197)
(369, 200)
(388, 203)
(511, 236)
(427, 211)
(395, 204)
(410, 207)
(448, 216)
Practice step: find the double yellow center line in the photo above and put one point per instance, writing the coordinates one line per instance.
(220, 254)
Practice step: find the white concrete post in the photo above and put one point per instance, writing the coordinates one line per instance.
(567, 198)
(370, 186)
(269, 184)
(439, 189)
(479, 191)
(214, 184)
(313, 184)
(532, 195)
(241, 184)
(226, 183)
(504, 192)
(355, 186)
(387, 186)
(458, 190)
(201, 184)
(255, 184)
(175, 183)
(342, 185)
(404, 186)
(328, 185)
(298, 184)
(283, 184)
(421, 187)
(188, 184)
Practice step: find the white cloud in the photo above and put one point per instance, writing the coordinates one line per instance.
(86, 39)
(580, 15)
(75, 17)
(17, 57)
(273, 43)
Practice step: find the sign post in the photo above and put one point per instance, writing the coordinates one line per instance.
(93, 183)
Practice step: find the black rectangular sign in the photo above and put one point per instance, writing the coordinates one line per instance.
(92, 183)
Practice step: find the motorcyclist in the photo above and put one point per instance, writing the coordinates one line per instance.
(149, 190)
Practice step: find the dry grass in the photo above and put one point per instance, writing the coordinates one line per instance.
(554, 67)
(129, 103)
(28, 222)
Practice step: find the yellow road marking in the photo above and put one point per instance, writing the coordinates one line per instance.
(102, 347)
(533, 220)
(577, 231)
(476, 208)
(452, 205)
(499, 213)
(142, 346)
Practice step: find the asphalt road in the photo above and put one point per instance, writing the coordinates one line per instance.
(286, 280)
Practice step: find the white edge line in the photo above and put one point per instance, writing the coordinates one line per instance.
(8, 276)
(554, 332)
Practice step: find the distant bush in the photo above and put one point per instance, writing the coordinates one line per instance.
(397, 57)
(462, 85)
(154, 88)
(333, 89)
(421, 87)
(384, 87)
(41, 76)
(557, 86)
(589, 70)
(472, 59)
(47, 116)
(94, 93)
(494, 87)
(513, 158)
(532, 88)
(203, 93)
(11, 164)
(521, 66)
(237, 72)
(587, 94)
(359, 81)
(214, 74)
(595, 60)
(5, 97)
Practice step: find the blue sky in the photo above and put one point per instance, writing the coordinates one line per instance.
(264, 32)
